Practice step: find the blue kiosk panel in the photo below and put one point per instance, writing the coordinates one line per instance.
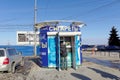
(51, 51)
(77, 49)
(43, 50)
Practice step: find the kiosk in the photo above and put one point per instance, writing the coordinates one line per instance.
(51, 33)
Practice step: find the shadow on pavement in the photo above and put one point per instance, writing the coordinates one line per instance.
(105, 74)
(79, 76)
(103, 62)
(24, 69)
(36, 61)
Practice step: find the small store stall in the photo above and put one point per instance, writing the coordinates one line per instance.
(51, 33)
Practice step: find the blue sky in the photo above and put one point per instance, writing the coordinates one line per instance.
(99, 15)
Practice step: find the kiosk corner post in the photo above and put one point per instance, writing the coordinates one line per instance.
(58, 52)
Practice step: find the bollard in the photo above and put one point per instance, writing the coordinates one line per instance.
(93, 51)
(119, 54)
(109, 53)
(104, 53)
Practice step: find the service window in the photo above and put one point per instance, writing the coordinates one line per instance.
(2, 53)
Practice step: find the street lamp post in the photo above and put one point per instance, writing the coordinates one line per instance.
(35, 29)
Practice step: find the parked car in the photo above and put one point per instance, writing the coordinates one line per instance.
(9, 59)
(89, 48)
(112, 48)
(101, 48)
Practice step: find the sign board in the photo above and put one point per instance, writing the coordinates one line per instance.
(43, 49)
(60, 29)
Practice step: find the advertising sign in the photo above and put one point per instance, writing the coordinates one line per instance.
(64, 29)
(77, 49)
(51, 51)
(43, 49)
(44, 29)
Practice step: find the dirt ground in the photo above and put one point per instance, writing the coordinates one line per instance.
(87, 71)
(21, 72)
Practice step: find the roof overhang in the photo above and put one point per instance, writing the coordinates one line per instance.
(56, 22)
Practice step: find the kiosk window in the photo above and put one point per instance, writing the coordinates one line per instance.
(1, 53)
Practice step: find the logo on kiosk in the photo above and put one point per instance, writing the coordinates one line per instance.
(43, 37)
(44, 45)
(64, 28)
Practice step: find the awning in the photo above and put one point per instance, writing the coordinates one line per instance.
(56, 22)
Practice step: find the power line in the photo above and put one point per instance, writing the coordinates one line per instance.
(7, 20)
(14, 25)
(75, 5)
(93, 10)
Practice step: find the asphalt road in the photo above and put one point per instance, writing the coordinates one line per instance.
(108, 63)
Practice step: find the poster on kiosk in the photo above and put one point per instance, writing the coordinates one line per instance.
(50, 38)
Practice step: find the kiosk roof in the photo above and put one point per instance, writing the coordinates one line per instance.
(56, 22)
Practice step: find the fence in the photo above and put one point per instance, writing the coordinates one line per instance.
(26, 50)
(113, 54)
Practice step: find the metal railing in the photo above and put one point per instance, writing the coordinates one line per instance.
(113, 54)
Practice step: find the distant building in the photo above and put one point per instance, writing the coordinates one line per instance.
(26, 38)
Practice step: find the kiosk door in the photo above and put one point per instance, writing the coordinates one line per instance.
(58, 51)
(73, 53)
(74, 46)
(76, 56)
(51, 51)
